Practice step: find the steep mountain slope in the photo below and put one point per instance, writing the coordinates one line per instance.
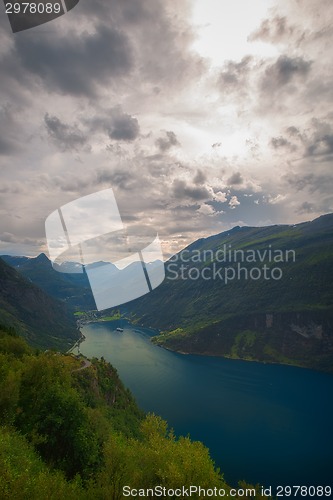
(219, 298)
(42, 320)
(77, 434)
(72, 288)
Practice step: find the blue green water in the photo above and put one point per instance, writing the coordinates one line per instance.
(263, 423)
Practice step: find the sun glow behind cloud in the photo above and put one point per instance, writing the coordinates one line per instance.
(222, 30)
(169, 104)
(224, 27)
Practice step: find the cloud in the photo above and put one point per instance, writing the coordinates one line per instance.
(273, 200)
(316, 140)
(66, 137)
(281, 142)
(77, 63)
(70, 183)
(321, 205)
(284, 70)
(122, 127)
(118, 178)
(200, 177)
(6, 146)
(234, 76)
(181, 190)
(293, 131)
(144, 42)
(219, 196)
(206, 209)
(118, 89)
(235, 179)
(166, 143)
(322, 146)
(233, 203)
(312, 183)
(10, 143)
(306, 208)
(320, 143)
(8, 238)
(118, 125)
(273, 30)
(15, 187)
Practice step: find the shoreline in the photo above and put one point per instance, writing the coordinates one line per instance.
(186, 353)
(261, 362)
(77, 343)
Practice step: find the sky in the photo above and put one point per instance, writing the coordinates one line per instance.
(200, 115)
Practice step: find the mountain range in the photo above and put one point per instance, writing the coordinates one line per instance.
(217, 300)
(72, 287)
(254, 293)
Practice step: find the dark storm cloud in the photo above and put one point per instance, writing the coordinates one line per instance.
(159, 38)
(124, 39)
(78, 62)
(235, 179)
(66, 137)
(181, 190)
(166, 143)
(273, 30)
(122, 127)
(283, 71)
(117, 124)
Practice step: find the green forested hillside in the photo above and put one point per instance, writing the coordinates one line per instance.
(42, 320)
(70, 433)
(71, 288)
(204, 308)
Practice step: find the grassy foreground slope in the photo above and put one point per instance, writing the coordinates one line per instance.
(77, 434)
(285, 320)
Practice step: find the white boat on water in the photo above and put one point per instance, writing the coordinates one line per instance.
(119, 329)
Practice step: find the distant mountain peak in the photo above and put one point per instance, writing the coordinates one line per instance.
(42, 258)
